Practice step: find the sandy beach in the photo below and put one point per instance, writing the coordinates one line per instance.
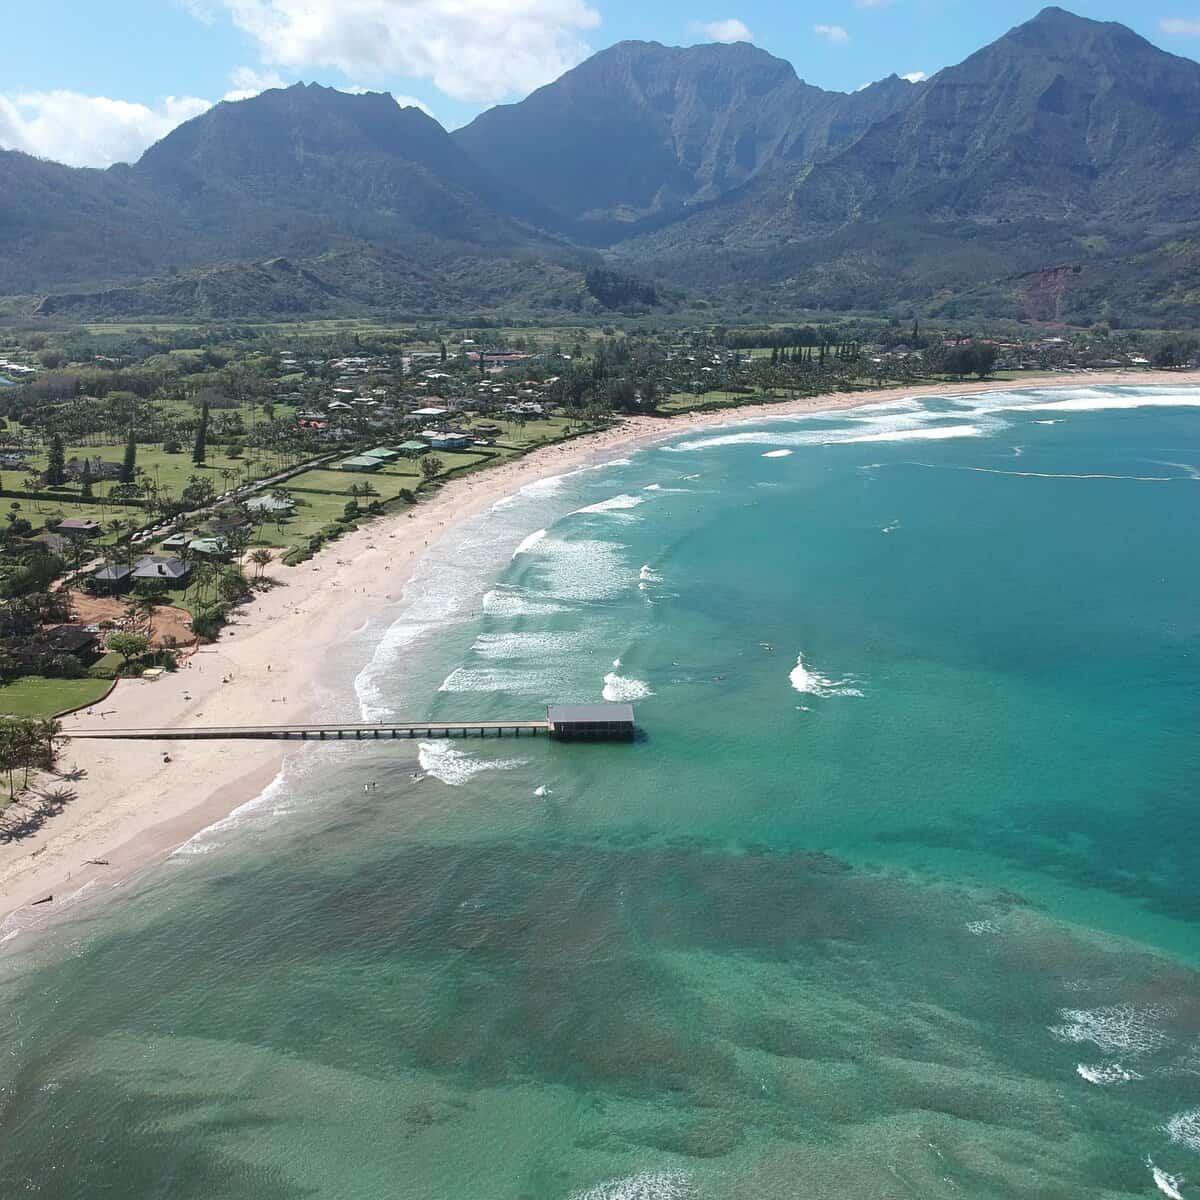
(133, 809)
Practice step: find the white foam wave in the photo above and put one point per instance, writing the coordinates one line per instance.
(543, 683)
(649, 575)
(1107, 1073)
(536, 647)
(455, 767)
(530, 542)
(658, 1185)
(618, 689)
(813, 683)
(1095, 400)
(264, 805)
(1169, 1185)
(543, 487)
(1121, 1029)
(912, 427)
(1184, 1129)
(583, 570)
(778, 454)
(508, 604)
(616, 504)
(982, 928)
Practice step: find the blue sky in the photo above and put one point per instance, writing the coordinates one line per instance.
(95, 81)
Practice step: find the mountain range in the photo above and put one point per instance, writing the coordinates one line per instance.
(1050, 176)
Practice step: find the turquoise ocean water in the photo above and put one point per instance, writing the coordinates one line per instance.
(896, 897)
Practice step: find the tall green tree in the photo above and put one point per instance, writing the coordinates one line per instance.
(129, 464)
(85, 479)
(56, 467)
(200, 447)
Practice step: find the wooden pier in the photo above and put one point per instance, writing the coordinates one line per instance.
(388, 730)
(592, 722)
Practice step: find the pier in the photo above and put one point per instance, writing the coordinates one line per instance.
(592, 722)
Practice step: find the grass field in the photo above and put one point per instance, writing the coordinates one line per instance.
(38, 697)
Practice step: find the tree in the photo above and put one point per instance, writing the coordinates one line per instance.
(146, 603)
(200, 446)
(128, 645)
(56, 467)
(431, 466)
(49, 733)
(262, 559)
(232, 586)
(129, 464)
(85, 479)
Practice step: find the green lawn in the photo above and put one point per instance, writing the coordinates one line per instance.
(37, 697)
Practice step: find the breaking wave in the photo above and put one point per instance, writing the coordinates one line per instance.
(1121, 1029)
(616, 504)
(455, 767)
(813, 683)
(1169, 1185)
(507, 604)
(530, 542)
(1184, 1129)
(659, 1185)
(1106, 1073)
(618, 689)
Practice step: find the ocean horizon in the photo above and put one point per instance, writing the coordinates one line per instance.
(894, 894)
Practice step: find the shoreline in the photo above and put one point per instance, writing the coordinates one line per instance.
(254, 671)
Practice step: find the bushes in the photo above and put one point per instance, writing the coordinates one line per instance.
(209, 622)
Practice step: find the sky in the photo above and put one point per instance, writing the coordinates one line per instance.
(93, 82)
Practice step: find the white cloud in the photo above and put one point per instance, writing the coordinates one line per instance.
(202, 10)
(88, 131)
(832, 33)
(248, 82)
(96, 131)
(473, 50)
(729, 30)
(1180, 27)
(916, 76)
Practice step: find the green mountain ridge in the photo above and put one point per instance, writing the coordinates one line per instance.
(1065, 154)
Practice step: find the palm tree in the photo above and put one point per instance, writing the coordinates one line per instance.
(261, 559)
(145, 606)
(9, 752)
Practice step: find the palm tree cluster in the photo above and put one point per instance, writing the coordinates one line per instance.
(27, 745)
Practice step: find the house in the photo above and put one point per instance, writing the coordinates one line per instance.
(79, 527)
(448, 441)
(160, 567)
(430, 414)
(78, 640)
(413, 449)
(360, 462)
(383, 453)
(210, 547)
(271, 506)
(179, 541)
(112, 578)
